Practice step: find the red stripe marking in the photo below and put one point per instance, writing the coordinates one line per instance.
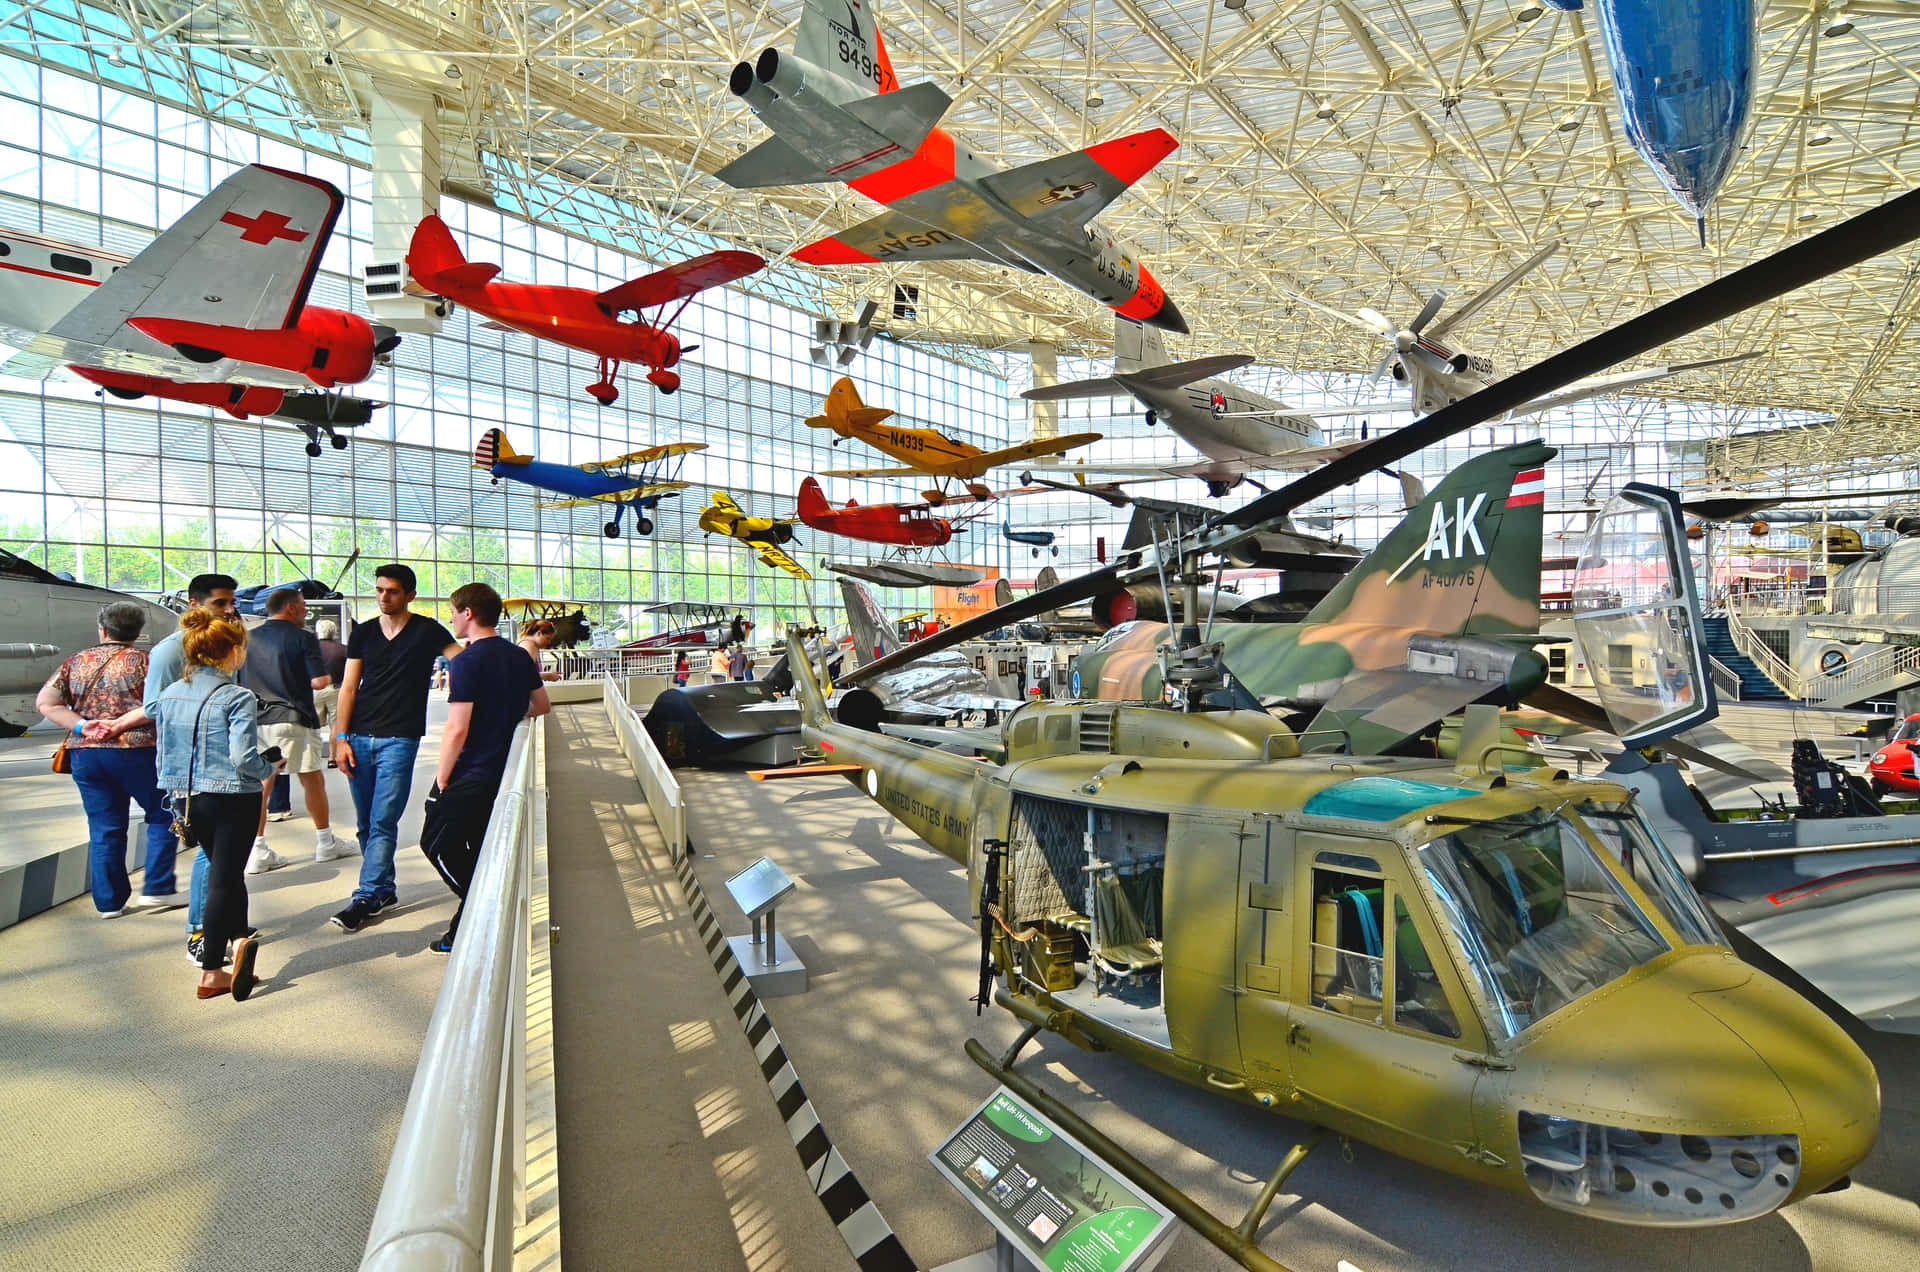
(1532, 474)
(1521, 501)
(930, 165)
(1128, 159)
(871, 155)
(47, 273)
(833, 252)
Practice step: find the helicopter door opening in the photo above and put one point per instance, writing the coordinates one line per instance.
(1375, 1034)
(1089, 883)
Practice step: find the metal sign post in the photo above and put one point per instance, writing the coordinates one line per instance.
(771, 966)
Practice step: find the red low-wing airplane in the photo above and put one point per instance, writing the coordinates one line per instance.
(902, 525)
(574, 316)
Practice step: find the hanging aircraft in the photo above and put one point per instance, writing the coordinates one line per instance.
(577, 317)
(838, 115)
(899, 572)
(1499, 972)
(902, 525)
(1439, 375)
(763, 534)
(1683, 75)
(44, 619)
(925, 451)
(638, 480)
(1239, 431)
(1035, 539)
(706, 625)
(154, 325)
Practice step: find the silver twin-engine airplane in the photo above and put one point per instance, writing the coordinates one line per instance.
(838, 114)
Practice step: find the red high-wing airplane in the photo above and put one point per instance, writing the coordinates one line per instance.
(574, 316)
(903, 525)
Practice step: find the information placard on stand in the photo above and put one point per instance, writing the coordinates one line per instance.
(1053, 1200)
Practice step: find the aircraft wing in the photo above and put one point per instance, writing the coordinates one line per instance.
(1067, 191)
(1624, 380)
(872, 472)
(647, 491)
(647, 456)
(891, 238)
(678, 281)
(1303, 460)
(774, 557)
(244, 257)
(1032, 450)
(949, 737)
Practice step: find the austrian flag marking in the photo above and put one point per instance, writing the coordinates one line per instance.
(1529, 487)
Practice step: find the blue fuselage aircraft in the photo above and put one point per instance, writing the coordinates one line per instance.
(1035, 539)
(634, 480)
(1684, 76)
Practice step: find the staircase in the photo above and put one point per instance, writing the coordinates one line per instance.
(1754, 684)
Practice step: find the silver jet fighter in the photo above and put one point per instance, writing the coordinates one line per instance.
(838, 114)
(1238, 430)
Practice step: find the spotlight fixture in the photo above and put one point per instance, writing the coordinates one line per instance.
(1386, 190)
(452, 72)
(1841, 24)
(1528, 12)
(1095, 101)
(116, 58)
(666, 81)
(1235, 5)
(1594, 200)
(1568, 122)
(1809, 214)
(1325, 112)
(1190, 179)
(1821, 136)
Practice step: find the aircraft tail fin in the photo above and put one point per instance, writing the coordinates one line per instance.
(842, 38)
(1464, 562)
(845, 412)
(435, 260)
(1136, 346)
(812, 501)
(492, 449)
(873, 632)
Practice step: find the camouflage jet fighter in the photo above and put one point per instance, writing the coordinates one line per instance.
(1498, 972)
(838, 114)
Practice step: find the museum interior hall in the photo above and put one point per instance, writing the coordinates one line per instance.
(963, 635)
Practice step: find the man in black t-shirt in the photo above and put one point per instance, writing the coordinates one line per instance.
(492, 685)
(379, 721)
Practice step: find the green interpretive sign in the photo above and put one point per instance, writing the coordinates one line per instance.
(1059, 1205)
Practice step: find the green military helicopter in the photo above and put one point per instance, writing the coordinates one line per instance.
(1499, 972)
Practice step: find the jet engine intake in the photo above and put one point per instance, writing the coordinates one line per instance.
(1460, 363)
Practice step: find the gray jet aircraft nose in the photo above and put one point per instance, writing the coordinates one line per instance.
(1169, 318)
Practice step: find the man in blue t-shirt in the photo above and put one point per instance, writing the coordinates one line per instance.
(492, 685)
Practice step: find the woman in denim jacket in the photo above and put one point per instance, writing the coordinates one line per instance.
(210, 758)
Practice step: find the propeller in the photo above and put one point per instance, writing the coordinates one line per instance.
(1869, 234)
(385, 340)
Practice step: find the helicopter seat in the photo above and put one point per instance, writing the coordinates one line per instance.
(1121, 946)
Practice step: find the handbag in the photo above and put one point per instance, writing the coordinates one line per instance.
(62, 762)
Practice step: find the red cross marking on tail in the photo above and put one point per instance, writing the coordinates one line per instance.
(264, 228)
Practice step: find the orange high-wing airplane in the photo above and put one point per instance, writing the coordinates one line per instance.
(574, 316)
(926, 451)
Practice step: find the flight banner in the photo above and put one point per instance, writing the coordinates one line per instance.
(1060, 1206)
(956, 604)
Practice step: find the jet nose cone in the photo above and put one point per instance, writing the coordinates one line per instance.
(1169, 318)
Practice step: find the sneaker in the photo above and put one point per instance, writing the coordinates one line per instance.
(385, 901)
(112, 914)
(355, 916)
(444, 945)
(328, 847)
(141, 902)
(285, 814)
(263, 858)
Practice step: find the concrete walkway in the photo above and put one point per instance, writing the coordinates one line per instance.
(143, 1128)
(673, 1154)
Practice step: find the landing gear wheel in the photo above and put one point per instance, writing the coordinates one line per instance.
(603, 392)
(1153, 417)
(339, 442)
(313, 450)
(642, 526)
(611, 529)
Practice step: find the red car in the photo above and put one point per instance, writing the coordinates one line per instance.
(1891, 768)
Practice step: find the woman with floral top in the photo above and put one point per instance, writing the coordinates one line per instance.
(101, 683)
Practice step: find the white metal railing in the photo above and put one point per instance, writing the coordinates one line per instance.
(1771, 665)
(1865, 600)
(1866, 675)
(657, 782)
(600, 664)
(455, 1186)
(1726, 680)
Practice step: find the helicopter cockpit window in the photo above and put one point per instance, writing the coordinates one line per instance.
(1650, 864)
(1540, 918)
(1349, 950)
(1419, 1000)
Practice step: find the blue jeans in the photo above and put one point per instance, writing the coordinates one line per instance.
(108, 777)
(381, 780)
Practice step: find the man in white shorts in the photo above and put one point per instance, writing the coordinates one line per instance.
(283, 669)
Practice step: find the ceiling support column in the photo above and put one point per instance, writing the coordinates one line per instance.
(404, 132)
(1046, 371)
